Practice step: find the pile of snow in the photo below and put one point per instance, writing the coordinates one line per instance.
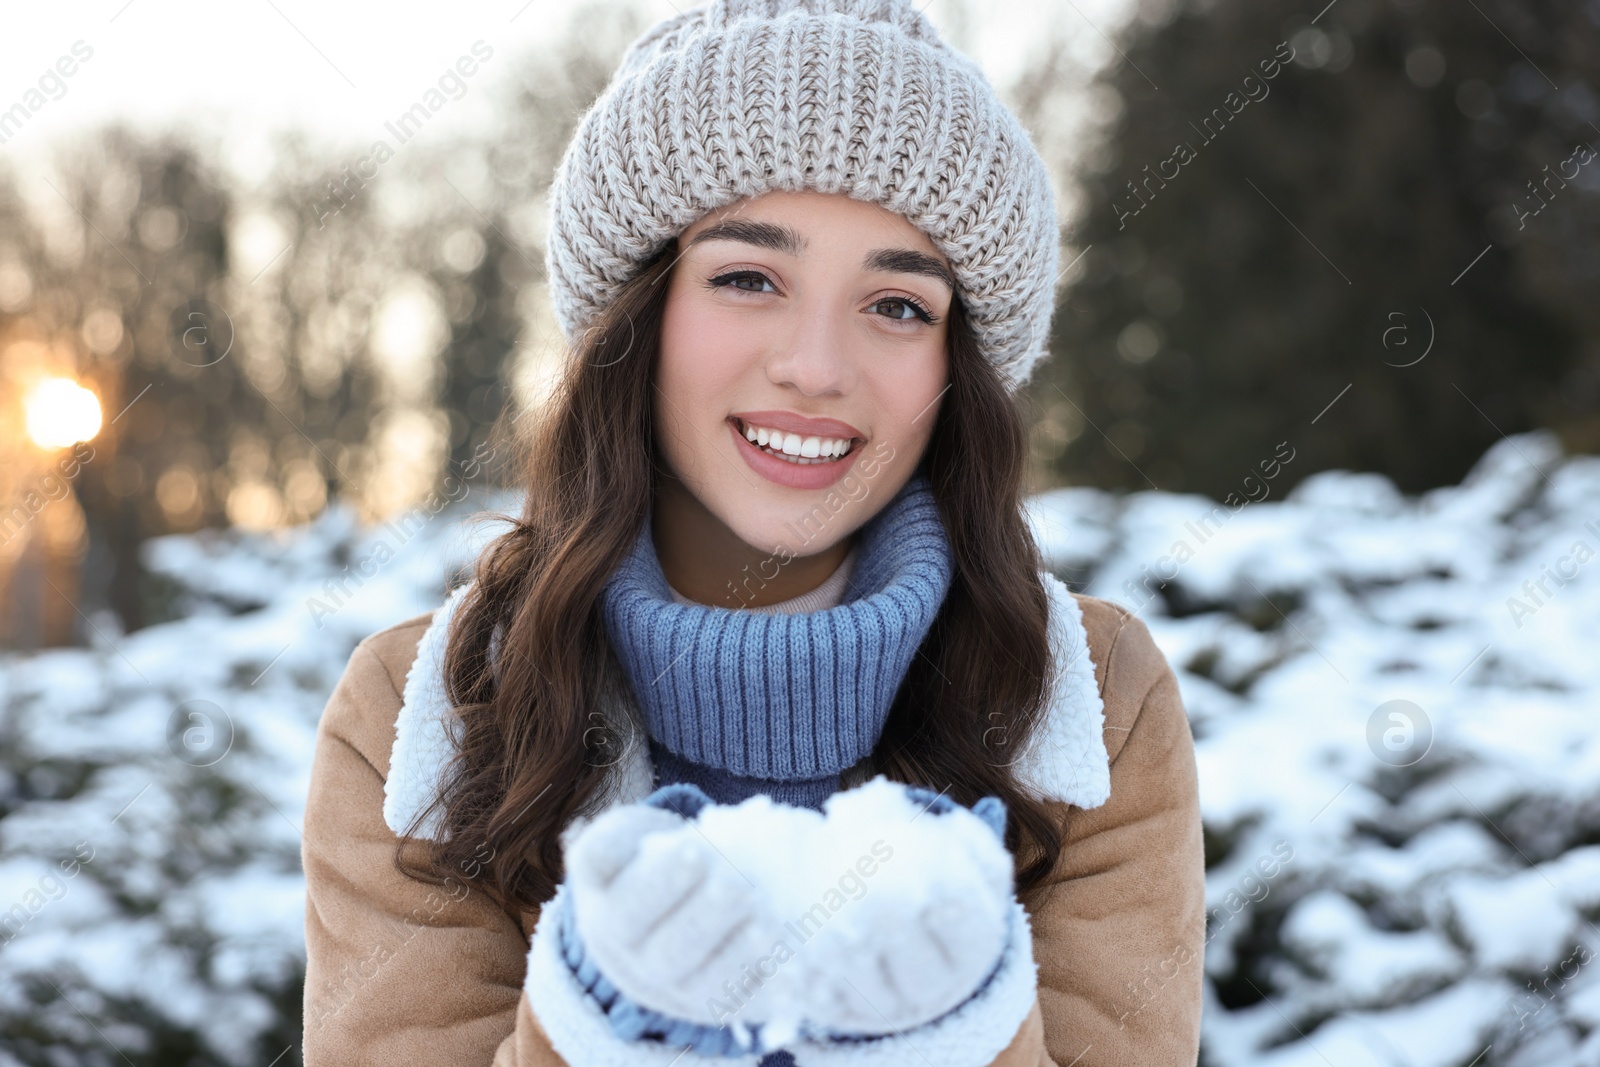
(1390, 697)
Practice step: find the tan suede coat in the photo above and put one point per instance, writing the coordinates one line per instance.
(401, 972)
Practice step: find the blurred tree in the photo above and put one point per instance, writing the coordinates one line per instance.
(307, 315)
(131, 277)
(338, 329)
(540, 107)
(1257, 235)
(134, 233)
(478, 274)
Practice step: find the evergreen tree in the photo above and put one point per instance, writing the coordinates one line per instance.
(1265, 239)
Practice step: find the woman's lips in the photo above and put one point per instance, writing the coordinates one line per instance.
(804, 425)
(785, 473)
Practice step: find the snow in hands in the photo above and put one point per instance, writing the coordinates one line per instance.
(795, 900)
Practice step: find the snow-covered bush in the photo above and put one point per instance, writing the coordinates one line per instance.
(167, 771)
(1400, 695)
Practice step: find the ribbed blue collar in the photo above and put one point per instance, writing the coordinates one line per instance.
(741, 702)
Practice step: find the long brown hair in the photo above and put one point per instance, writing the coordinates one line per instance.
(531, 757)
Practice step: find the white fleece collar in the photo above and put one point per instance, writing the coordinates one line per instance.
(1065, 759)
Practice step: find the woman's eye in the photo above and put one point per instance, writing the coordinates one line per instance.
(745, 276)
(897, 304)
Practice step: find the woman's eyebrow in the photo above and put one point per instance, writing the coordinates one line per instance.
(771, 235)
(909, 261)
(786, 239)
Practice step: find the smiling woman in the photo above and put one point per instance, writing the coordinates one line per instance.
(794, 321)
(772, 579)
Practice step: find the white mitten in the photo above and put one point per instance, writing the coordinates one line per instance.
(929, 928)
(663, 915)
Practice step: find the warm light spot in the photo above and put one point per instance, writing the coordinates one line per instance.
(409, 447)
(102, 330)
(304, 487)
(178, 493)
(409, 330)
(61, 413)
(536, 371)
(65, 531)
(254, 506)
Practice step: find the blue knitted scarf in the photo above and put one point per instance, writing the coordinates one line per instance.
(742, 702)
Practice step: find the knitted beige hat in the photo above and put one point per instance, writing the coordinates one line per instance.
(740, 97)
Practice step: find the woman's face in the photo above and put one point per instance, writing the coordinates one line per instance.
(817, 317)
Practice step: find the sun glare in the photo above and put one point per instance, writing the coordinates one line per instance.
(60, 413)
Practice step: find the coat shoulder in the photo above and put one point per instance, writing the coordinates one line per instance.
(396, 646)
(366, 702)
(1128, 663)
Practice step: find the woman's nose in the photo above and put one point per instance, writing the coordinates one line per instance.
(815, 358)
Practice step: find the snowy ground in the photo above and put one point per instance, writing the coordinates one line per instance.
(1400, 780)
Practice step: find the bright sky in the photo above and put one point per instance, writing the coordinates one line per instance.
(340, 69)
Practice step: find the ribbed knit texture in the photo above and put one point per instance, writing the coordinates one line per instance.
(739, 702)
(671, 768)
(861, 97)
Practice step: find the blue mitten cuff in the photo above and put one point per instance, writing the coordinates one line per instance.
(685, 798)
(630, 1020)
(992, 810)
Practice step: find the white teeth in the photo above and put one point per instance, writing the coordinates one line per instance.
(801, 449)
